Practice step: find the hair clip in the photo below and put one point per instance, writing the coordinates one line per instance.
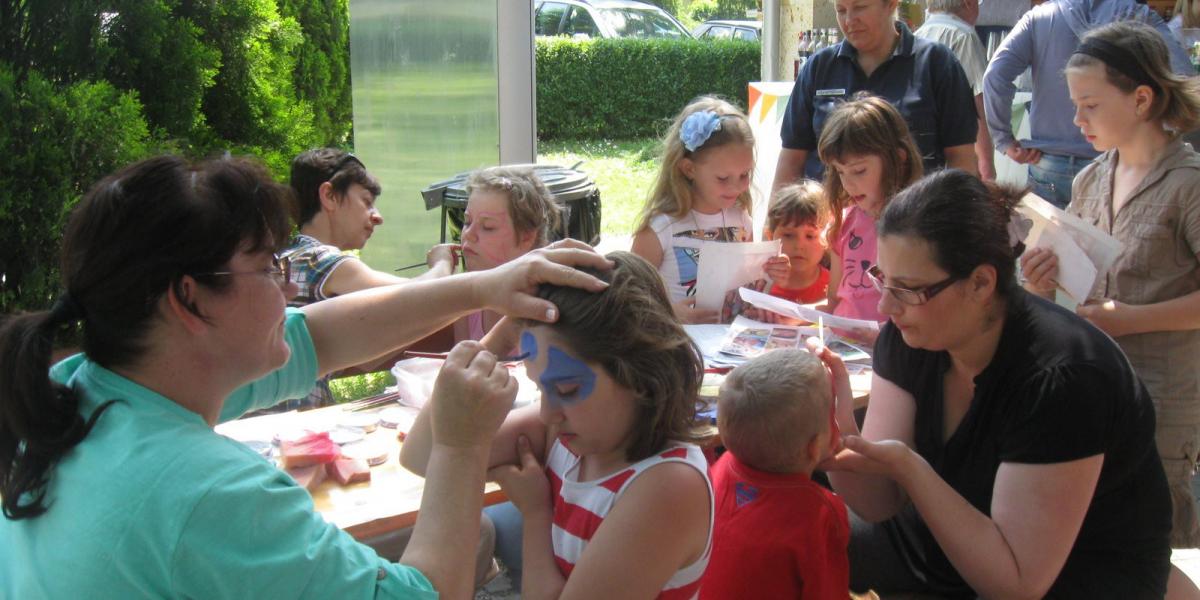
(697, 128)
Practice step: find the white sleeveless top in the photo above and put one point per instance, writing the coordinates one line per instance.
(680, 239)
(581, 506)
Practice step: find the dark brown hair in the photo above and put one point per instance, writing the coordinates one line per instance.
(964, 220)
(630, 330)
(132, 239)
(312, 168)
(866, 126)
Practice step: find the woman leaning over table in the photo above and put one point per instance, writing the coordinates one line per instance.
(114, 484)
(1008, 447)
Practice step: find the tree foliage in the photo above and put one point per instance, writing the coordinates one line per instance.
(89, 85)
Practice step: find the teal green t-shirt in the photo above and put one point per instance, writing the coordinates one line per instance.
(155, 504)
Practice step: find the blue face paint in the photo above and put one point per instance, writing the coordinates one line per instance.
(528, 346)
(566, 380)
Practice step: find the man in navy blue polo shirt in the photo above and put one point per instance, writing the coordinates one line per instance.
(922, 79)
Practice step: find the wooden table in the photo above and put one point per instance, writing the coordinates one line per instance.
(386, 503)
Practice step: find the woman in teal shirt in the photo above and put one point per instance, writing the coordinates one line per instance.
(114, 484)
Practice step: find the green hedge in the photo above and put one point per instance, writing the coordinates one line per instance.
(625, 88)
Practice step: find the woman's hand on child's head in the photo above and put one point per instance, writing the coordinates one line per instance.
(1039, 267)
(686, 312)
(525, 484)
(443, 254)
(471, 397)
(778, 268)
(509, 288)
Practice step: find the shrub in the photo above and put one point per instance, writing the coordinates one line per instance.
(627, 88)
(56, 144)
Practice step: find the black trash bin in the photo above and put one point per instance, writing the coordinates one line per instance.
(573, 190)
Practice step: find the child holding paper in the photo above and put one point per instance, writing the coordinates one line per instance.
(797, 217)
(1142, 191)
(871, 156)
(701, 194)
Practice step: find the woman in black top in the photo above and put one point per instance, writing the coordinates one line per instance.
(1007, 440)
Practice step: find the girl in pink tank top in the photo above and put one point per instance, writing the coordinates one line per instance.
(869, 156)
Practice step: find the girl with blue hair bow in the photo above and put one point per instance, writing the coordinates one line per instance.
(702, 193)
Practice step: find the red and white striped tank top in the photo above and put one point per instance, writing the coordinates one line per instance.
(580, 508)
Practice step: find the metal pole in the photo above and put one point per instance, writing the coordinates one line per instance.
(769, 69)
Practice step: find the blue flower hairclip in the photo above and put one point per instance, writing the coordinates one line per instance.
(697, 128)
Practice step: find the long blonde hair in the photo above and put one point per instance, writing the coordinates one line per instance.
(672, 191)
(866, 126)
(1189, 12)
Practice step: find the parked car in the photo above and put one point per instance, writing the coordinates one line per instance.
(719, 29)
(605, 19)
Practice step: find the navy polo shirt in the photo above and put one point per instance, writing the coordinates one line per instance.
(922, 79)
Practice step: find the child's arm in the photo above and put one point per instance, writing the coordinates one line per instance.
(527, 487)
(1118, 319)
(659, 525)
(645, 245)
(415, 450)
(835, 280)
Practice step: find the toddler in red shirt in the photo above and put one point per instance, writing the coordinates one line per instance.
(777, 534)
(798, 216)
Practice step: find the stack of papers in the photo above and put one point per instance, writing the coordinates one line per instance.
(1084, 251)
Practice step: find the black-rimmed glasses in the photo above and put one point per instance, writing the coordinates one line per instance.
(909, 296)
(280, 271)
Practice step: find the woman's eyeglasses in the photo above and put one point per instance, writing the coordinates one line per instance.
(280, 271)
(909, 296)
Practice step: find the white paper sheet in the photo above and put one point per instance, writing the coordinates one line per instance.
(1076, 273)
(799, 311)
(725, 266)
(1063, 230)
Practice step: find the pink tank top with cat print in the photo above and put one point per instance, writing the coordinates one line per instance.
(855, 251)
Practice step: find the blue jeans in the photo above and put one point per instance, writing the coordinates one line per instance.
(1051, 177)
(509, 525)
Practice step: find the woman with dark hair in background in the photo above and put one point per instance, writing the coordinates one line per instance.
(113, 481)
(1008, 444)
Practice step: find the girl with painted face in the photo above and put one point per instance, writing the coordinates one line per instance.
(1142, 190)
(702, 194)
(870, 157)
(623, 503)
(509, 212)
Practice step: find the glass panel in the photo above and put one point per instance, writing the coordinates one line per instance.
(747, 34)
(581, 24)
(425, 108)
(639, 22)
(720, 32)
(549, 17)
